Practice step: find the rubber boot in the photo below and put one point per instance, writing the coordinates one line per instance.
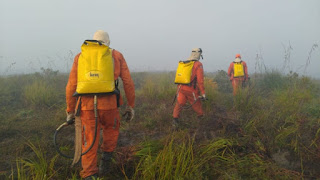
(105, 162)
(175, 123)
(92, 177)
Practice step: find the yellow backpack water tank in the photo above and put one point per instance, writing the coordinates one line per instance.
(184, 72)
(238, 70)
(95, 69)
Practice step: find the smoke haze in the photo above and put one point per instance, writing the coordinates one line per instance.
(155, 35)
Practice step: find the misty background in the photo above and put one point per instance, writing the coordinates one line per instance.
(155, 35)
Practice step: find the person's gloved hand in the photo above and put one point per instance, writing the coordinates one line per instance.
(203, 97)
(70, 117)
(129, 114)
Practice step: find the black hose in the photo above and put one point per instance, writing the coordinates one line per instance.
(55, 138)
(72, 122)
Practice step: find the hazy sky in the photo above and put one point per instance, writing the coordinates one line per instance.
(155, 35)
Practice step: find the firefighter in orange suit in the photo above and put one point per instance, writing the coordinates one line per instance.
(194, 92)
(108, 113)
(238, 81)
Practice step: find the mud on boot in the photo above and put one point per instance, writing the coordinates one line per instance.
(105, 163)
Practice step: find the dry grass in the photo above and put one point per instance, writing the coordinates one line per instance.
(238, 139)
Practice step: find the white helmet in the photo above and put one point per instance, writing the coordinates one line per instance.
(102, 36)
(196, 54)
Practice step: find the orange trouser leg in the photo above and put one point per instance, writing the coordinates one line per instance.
(110, 123)
(89, 160)
(197, 107)
(236, 83)
(182, 99)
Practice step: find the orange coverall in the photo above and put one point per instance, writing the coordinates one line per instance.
(237, 81)
(191, 93)
(108, 113)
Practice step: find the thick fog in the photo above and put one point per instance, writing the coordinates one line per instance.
(155, 35)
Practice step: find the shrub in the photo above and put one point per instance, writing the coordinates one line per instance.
(269, 81)
(222, 79)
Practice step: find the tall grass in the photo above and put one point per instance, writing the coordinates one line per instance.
(175, 161)
(38, 167)
(182, 158)
(238, 139)
(40, 93)
(157, 86)
(279, 115)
